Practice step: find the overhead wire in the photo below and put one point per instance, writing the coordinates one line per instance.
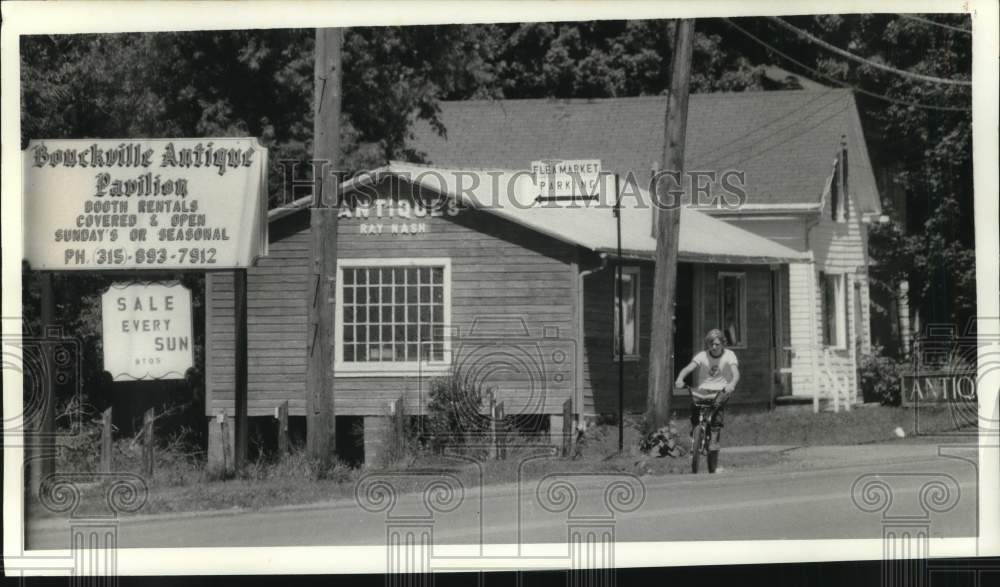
(754, 151)
(817, 106)
(938, 24)
(842, 84)
(847, 54)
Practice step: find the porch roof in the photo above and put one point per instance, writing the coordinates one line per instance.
(702, 238)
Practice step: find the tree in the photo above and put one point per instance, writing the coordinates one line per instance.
(920, 133)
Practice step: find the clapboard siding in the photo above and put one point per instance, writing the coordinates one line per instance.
(838, 245)
(754, 357)
(600, 368)
(600, 379)
(841, 248)
(514, 284)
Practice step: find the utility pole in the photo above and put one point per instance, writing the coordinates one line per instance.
(320, 422)
(621, 322)
(668, 215)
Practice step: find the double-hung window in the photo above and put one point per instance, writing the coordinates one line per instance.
(834, 309)
(629, 312)
(393, 316)
(733, 307)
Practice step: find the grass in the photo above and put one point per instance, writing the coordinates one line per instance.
(180, 482)
(864, 424)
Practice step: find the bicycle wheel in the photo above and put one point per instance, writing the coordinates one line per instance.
(697, 438)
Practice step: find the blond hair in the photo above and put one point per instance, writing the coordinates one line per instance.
(713, 334)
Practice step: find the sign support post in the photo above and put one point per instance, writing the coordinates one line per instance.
(661, 354)
(240, 375)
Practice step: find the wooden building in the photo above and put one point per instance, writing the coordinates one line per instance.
(452, 266)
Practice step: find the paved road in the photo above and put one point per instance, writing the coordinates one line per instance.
(782, 503)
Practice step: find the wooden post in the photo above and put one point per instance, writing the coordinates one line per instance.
(227, 455)
(106, 454)
(775, 325)
(320, 420)
(283, 442)
(661, 359)
(399, 428)
(567, 429)
(240, 366)
(147, 443)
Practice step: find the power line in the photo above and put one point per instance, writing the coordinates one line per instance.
(755, 151)
(924, 78)
(842, 83)
(759, 135)
(783, 117)
(940, 24)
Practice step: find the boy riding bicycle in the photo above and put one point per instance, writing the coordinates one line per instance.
(717, 375)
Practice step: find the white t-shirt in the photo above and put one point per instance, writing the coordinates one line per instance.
(715, 373)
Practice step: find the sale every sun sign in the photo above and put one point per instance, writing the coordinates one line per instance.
(147, 331)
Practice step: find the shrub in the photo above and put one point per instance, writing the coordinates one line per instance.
(663, 442)
(881, 378)
(454, 413)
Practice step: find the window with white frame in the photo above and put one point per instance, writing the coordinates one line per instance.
(393, 314)
(834, 309)
(629, 312)
(733, 307)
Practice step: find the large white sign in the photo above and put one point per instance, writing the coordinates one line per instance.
(147, 331)
(567, 178)
(145, 203)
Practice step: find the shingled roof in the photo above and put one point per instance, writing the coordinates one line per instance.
(785, 141)
(510, 195)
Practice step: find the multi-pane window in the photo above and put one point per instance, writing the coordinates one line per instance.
(733, 308)
(629, 311)
(834, 309)
(392, 314)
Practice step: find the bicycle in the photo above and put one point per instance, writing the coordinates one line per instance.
(701, 435)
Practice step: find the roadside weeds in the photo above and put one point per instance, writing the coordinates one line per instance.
(185, 486)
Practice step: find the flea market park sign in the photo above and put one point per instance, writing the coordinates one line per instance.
(144, 203)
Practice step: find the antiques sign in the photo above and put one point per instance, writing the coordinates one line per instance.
(384, 216)
(147, 331)
(950, 386)
(145, 203)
